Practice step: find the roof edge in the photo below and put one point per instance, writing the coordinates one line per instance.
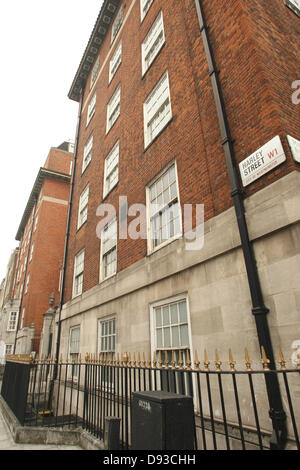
(104, 20)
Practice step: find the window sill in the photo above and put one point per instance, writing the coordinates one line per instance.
(110, 191)
(164, 244)
(108, 130)
(84, 170)
(82, 225)
(107, 278)
(144, 73)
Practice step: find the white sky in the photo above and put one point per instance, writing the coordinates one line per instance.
(42, 43)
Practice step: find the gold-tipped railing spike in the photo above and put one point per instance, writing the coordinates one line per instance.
(264, 360)
(188, 360)
(218, 363)
(166, 360)
(282, 360)
(154, 360)
(134, 360)
(143, 361)
(196, 360)
(231, 361)
(139, 360)
(206, 361)
(159, 360)
(149, 361)
(129, 360)
(180, 360)
(173, 361)
(247, 361)
(118, 359)
(125, 359)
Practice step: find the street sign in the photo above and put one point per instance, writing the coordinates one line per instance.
(295, 147)
(262, 161)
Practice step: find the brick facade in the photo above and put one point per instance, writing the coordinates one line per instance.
(42, 242)
(256, 68)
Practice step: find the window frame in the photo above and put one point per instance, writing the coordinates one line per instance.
(109, 125)
(83, 206)
(159, 18)
(117, 24)
(148, 118)
(11, 348)
(87, 153)
(102, 277)
(144, 13)
(113, 72)
(106, 190)
(79, 273)
(95, 71)
(22, 317)
(100, 336)
(27, 283)
(150, 246)
(13, 321)
(73, 372)
(166, 379)
(91, 109)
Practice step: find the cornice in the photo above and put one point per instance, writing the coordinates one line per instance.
(97, 37)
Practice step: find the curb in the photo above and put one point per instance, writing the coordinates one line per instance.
(40, 435)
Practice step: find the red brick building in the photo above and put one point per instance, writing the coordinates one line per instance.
(41, 234)
(149, 132)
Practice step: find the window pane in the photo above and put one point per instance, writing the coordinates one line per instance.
(159, 338)
(167, 337)
(182, 311)
(175, 337)
(166, 318)
(158, 316)
(184, 335)
(174, 313)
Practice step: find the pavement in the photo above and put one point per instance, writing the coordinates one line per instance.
(7, 442)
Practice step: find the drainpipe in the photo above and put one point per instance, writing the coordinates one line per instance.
(259, 310)
(67, 235)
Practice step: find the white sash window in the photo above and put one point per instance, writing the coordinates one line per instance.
(87, 153)
(111, 169)
(153, 42)
(91, 109)
(83, 207)
(113, 109)
(157, 110)
(115, 62)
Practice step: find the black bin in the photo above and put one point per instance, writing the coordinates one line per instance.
(162, 421)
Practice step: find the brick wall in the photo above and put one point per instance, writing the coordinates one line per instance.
(48, 240)
(256, 72)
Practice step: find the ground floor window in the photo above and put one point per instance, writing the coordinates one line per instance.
(74, 342)
(170, 339)
(8, 349)
(107, 345)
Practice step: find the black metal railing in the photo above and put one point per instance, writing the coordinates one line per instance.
(231, 406)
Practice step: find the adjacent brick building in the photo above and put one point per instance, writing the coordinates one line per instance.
(41, 234)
